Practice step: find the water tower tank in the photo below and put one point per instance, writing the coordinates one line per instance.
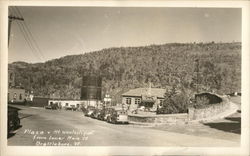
(91, 88)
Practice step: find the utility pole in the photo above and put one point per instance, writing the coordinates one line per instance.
(11, 18)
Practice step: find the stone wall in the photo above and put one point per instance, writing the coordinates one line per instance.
(166, 118)
(209, 111)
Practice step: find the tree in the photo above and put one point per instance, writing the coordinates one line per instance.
(174, 102)
(131, 67)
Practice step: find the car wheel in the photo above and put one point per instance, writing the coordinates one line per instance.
(112, 120)
(108, 119)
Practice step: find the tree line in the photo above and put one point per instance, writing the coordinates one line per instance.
(191, 67)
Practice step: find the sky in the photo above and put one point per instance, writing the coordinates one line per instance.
(61, 31)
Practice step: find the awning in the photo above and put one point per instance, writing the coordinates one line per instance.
(148, 101)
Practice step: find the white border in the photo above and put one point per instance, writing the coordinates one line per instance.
(139, 150)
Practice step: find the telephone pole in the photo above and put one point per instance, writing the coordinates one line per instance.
(11, 18)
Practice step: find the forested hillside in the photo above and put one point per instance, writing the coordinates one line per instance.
(216, 65)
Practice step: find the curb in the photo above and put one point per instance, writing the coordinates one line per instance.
(141, 124)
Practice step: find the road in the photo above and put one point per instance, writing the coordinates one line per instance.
(48, 127)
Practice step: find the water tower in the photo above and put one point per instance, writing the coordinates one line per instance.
(91, 88)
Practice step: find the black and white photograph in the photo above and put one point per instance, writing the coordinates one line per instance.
(90, 76)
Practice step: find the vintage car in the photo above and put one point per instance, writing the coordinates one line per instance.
(71, 107)
(13, 119)
(96, 113)
(102, 115)
(106, 113)
(52, 106)
(48, 107)
(83, 109)
(117, 115)
(89, 111)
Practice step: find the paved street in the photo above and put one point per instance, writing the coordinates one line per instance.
(68, 128)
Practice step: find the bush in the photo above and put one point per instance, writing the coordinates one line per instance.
(201, 102)
(204, 99)
(174, 103)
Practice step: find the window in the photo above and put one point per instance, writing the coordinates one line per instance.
(14, 96)
(137, 101)
(128, 100)
(20, 97)
(161, 102)
(66, 104)
(11, 76)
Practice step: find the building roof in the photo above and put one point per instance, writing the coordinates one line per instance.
(157, 92)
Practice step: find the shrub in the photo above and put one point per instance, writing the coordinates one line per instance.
(174, 103)
(204, 99)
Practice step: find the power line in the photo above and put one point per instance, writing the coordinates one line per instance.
(31, 34)
(12, 12)
(27, 30)
(25, 34)
(12, 18)
(26, 37)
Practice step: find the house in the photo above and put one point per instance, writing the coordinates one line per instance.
(16, 95)
(147, 97)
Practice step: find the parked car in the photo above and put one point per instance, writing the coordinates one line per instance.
(96, 113)
(115, 115)
(83, 109)
(72, 107)
(101, 114)
(107, 112)
(13, 119)
(52, 106)
(48, 107)
(89, 111)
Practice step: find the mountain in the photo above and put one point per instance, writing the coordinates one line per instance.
(213, 66)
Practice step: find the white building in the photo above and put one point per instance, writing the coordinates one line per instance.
(65, 103)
